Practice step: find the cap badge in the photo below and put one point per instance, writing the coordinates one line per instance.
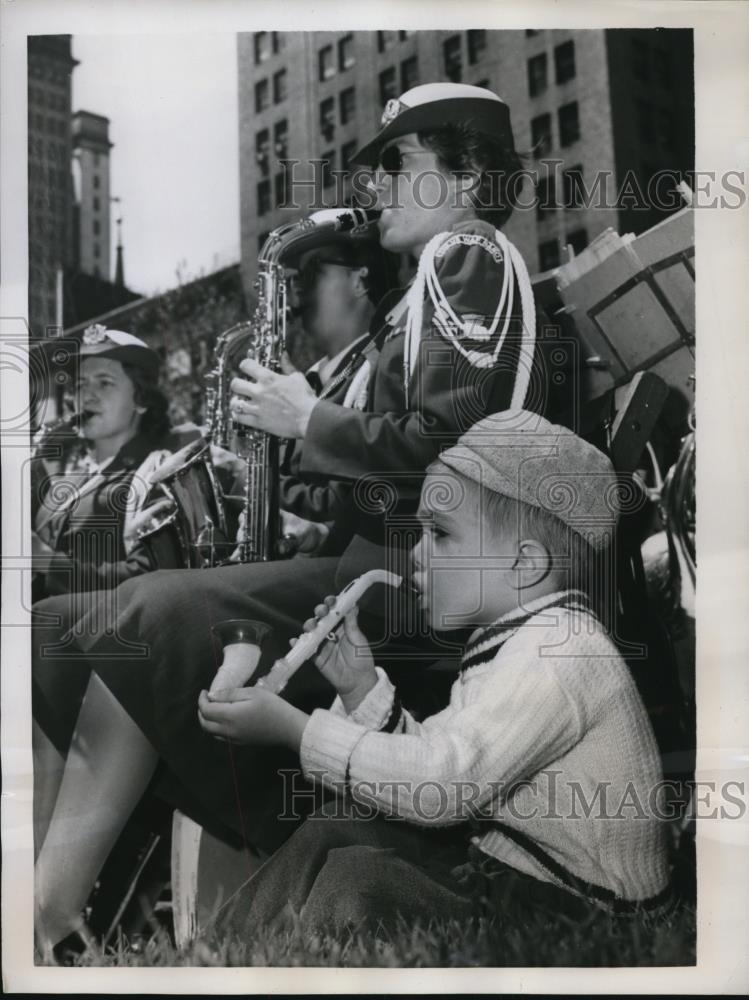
(94, 334)
(392, 109)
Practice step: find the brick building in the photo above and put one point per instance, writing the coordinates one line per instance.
(583, 101)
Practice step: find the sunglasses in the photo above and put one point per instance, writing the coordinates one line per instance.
(308, 275)
(390, 160)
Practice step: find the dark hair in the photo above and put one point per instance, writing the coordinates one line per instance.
(462, 149)
(147, 393)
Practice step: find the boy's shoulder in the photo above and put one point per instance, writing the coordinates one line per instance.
(572, 644)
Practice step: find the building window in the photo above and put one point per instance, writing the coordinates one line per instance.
(386, 40)
(262, 151)
(388, 85)
(537, 74)
(564, 62)
(541, 135)
(262, 96)
(569, 124)
(548, 255)
(279, 86)
(97, 250)
(279, 41)
(453, 59)
(476, 46)
(97, 204)
(662, 67)
(529, 32)
(347, 151)
(262, 47)
(326, 66)
(346, 58)
(640, 60)
(263, 197)
(645, 125)
(282, 187)
(545, 193)
(347, 104)
(328, 165)
(96, 181)
(409, 73)
(281, 139)
(327, 117)
(572, 185)
(578, 239)
(97, 227)
(403, 35)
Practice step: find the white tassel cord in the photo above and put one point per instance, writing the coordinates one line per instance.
(356, 394)
(449, 323)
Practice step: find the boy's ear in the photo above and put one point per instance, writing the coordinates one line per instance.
(533, 563)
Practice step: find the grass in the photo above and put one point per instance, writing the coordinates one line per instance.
(545, 941)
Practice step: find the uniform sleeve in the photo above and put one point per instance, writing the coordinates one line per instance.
(451, 386)
(319, 502)
(439, 771)
(67, 574)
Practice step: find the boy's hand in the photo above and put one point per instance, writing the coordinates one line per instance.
(251, 716)
(345, 660)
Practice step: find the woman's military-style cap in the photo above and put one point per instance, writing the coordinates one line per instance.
(522, 456)
(434, 105)
(100, 342)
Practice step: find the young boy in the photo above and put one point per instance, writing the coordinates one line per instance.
(540, 769)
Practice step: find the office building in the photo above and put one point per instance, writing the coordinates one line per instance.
(91, 148)
(50, 201)
(589, 107)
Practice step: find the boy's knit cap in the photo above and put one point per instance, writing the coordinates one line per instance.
(524, 457)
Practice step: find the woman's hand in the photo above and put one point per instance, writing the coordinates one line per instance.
(145, 519)
(222, 458)
(302, 536)
(251, 716)
(279, 404)
(345, 660)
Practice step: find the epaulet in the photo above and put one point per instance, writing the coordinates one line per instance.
(470, 240)
(483, 350)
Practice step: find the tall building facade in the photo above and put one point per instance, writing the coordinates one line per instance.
(50, 202)
(588, 107)
(91, 148)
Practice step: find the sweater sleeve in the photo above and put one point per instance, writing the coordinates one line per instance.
(439, 771)
(449, 385)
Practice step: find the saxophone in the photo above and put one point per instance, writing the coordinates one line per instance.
(267, 342)
(197, 522)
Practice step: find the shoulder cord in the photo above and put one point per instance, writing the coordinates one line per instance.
(426, 280)
(356, 394)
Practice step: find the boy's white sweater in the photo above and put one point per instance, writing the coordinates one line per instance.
(545, 733)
